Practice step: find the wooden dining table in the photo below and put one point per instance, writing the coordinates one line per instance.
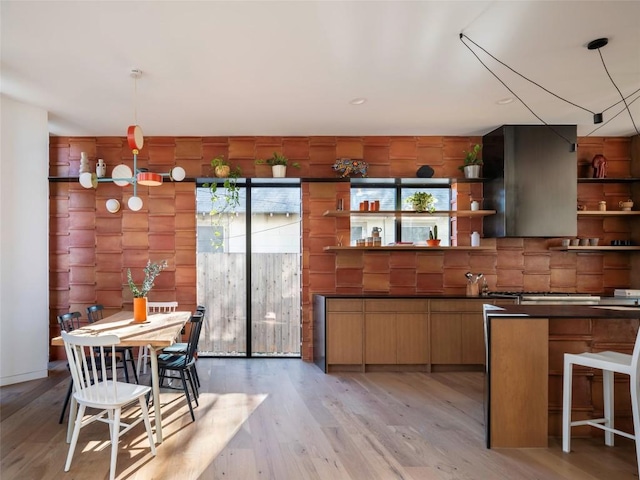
(159, 331)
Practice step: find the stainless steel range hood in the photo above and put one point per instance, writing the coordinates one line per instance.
(531, 174)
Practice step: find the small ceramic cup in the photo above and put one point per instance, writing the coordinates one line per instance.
(593, 241)
(584, 242)
(565, 242)
(575, 242)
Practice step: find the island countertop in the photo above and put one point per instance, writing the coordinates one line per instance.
(517, 367)
(564, 311)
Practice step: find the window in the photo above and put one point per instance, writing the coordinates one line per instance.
(397, 228)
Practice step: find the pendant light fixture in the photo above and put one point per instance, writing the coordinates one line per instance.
(122, 175)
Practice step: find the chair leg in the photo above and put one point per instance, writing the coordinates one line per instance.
(566, 406)
(115, 438)
(74, 437)
(66, 402)
(133, 363)
(147, 424)
(635, 410)
(186, 392)
(608, 388)
(194, 389)
(195, 371)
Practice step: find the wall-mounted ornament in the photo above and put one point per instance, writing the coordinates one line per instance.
(347, 166)
(599, 164)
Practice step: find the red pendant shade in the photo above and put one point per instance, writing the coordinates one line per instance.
(150, 179)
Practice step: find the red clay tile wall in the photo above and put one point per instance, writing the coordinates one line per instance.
(91, 248)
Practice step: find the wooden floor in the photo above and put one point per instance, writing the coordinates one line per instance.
(285, 419)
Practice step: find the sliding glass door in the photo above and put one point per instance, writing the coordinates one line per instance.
(250, 284)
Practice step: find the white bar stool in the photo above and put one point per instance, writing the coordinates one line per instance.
(143, 353)
(609, 363)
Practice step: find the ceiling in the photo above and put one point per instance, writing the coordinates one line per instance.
(292, 68)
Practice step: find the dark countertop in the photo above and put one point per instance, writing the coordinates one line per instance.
(565, 311)
(425, 296)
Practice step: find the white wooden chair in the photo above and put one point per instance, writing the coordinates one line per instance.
(609, 363)
(88, 358)
(143, 353)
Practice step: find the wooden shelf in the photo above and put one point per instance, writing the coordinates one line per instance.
(410, 213)
(596, 248)
(607, 213)
(608, 180)
(405, 248)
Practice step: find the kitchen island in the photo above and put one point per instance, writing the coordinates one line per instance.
(518, 356)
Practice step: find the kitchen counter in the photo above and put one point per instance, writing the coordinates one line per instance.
(518, 357)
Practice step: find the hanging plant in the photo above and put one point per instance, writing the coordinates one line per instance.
(225, 198)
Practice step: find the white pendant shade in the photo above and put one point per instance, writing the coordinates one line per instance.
(135, 203)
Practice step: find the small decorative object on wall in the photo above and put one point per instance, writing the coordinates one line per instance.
(84, 163)
(472, 163)
(278, 164)
(101, 168)
(425, 171)
(422, 202)
(599, 164)
(151, 271)
(347, 166)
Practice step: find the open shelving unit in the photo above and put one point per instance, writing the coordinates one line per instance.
(410, 213)
(405, 248)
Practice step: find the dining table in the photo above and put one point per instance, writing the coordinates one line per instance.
(159, 331)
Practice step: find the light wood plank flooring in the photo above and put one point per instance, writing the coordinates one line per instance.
(285, 419)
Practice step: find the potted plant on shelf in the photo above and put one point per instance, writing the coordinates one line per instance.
(422, 202)
(225, 196)
(472, 163)
(151, 271)
(433, 240)
(278, 163)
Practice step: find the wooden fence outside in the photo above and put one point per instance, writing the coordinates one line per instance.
(275, 304)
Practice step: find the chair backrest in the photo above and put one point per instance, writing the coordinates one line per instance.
(89, 360)
(69, 321)
(194, 335)
(95, 313)
(162, 307)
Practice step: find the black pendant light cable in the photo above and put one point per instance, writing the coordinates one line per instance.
(621, 111)
(573, 145)
(527, 79)
(620, 93)
(593, 45)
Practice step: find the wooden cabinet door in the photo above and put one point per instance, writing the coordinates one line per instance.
(344, 338)
(446, 341)
(412, 338)
(380, 338)
(472, 330)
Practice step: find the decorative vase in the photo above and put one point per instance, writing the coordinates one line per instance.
(279, 171)
(472, 171)
(140, 309)
(101, 169)
(222, 171)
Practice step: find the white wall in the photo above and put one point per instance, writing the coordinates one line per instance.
(24, 242)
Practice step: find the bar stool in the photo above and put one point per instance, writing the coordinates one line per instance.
(609, 363)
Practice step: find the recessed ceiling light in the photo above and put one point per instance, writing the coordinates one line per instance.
(505, 101)
(358, 101)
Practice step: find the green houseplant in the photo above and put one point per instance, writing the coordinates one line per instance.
(278, 163)
(151, 271)
(225, 196)
(433, 240)
(472, 163)
(422, 202)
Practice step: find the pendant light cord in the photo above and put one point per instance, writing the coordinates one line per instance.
(463, 37)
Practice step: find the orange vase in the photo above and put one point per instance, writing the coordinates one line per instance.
(140, 309)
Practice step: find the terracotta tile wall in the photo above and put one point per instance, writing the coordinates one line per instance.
(90, 248)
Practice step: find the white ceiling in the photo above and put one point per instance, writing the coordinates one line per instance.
(291, 68)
